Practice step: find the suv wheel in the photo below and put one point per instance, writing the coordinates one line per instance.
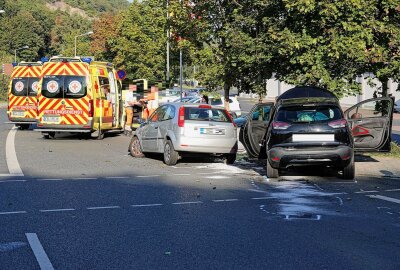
(135, 149)
(230, 159)
(271, 172)
(170, 155)
(349, 170)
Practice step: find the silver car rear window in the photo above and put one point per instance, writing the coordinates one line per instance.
(206, 114)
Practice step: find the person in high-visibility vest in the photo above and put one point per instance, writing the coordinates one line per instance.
(130, 101)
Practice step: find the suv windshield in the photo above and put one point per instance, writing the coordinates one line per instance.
(205, 114)
(64, 86)
(26, 86)
(301, 114)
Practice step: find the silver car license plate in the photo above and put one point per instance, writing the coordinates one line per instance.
(212, 131)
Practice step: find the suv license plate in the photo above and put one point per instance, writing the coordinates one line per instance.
(313, 137)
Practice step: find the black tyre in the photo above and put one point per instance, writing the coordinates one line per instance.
(170, 155)
(23, 126)
(135, 149)
(230, 159)
(46, 136)
(349, 171)
(271, 172)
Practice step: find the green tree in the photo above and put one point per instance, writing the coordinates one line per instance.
(139, 47)
(327, 43)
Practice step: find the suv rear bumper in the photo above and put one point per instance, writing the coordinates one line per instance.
(282, 158)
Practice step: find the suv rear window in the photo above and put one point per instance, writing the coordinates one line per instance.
(205, 114)
(302, 114)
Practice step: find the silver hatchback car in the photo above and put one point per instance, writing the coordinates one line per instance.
(181, 129)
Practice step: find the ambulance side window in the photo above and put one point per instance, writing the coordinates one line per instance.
(19, 87)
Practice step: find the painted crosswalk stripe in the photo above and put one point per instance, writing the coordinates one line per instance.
(384, 198)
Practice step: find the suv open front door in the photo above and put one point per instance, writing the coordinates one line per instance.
(253, 131)
(371, 124)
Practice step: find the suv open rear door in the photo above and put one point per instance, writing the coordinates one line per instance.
(253, 131)
(371, 124)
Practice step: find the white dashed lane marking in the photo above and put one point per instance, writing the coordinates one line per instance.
(366, 191)
(57, 210)
(227, 200)
(10, 181)
(179, 203)
(103, 207)
(147, 205)
(13, 213)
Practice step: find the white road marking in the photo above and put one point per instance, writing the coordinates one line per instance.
(207, 173)
(11, 155)
(217, 177)
(9, 181)
(396, 189)
(117, 177)
(262, 198)
(257, 190)
(366, 191)
(181, 174)
(39, 252)
(227, 200)
(347, 182)
(12, 213)
(57, 210)
(319, 187)
(147, 205)
(178, 203)
(50, 179)
(384, 198)
(147, 176)
(103, 207)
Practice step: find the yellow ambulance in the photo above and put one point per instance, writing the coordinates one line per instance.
(79, 95)
(22, 94)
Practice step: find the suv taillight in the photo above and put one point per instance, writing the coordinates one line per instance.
(280, 125)
(338, 123)
(181, 117)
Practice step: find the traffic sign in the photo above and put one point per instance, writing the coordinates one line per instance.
(121, 74)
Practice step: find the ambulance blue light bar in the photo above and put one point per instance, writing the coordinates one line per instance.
(87, 60)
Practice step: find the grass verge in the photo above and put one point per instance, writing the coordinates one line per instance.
(395, 152)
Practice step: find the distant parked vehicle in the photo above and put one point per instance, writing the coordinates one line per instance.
(181, 129)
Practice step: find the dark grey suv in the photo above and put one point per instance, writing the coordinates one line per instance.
(306, 126)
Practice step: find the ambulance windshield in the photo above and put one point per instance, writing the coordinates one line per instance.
(25, 86)
(64, 86)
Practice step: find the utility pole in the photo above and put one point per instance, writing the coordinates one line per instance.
(168, 37)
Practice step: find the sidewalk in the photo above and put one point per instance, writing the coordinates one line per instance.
(377, 166)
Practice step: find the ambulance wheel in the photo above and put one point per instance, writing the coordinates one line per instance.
(170, 155)
(135, 149)
(46, 136)
(100, 134)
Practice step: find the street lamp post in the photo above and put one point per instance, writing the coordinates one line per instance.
(86, 34)
(15, 52)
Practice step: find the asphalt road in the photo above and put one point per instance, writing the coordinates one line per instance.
(92, 206)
